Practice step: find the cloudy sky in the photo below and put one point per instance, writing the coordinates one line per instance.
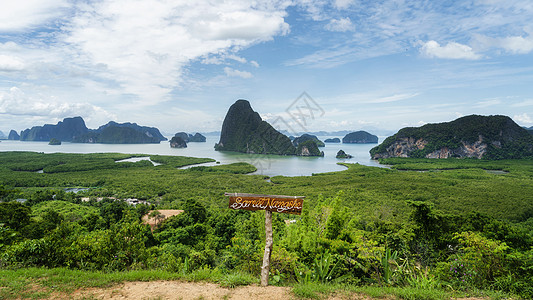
(179, 64)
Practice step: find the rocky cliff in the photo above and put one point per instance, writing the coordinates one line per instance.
(65, 130)
(359, 137)
(197, 138)
(182, 135)
(178, 142)
(342, 154)
(308, 148)
(488, 137)
(74, 130)
(244, 131)
(13, 135)
(54, 142)
(187, 137)
(121, 133)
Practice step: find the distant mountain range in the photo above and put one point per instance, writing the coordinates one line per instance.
(65, 130)
(487, 137)
(74, 130)
(379, 132)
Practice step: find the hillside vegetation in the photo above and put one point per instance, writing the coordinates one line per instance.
(488, 137)
(423, 224)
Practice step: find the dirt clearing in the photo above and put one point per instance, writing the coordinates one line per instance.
(184, 291)
(201, 290)
(189, 291)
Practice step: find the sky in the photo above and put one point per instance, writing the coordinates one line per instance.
(304, 65)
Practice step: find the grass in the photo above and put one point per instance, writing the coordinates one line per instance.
(14, 283)
(457, 186)
(237, 279)
(313, 290)
(407, 293)
(321, 291)
(43, 282)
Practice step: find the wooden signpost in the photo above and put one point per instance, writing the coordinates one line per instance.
(269, 203)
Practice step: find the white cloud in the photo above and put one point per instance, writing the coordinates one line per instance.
(527, 102)
(390, 27)
(452, 50)
(268, 116)
(393, 98)
(326, 58)
(340, 25)
(20, 15)
(518, 44)
(343, 4)
(237, 58)
(488, 103)
(512, 44)
(314, 8)
(523, 119)
(10, 63)
(144, 46)
(236, 73)
(17, 102)
(219, 59)
(237, 22)
(341, 124)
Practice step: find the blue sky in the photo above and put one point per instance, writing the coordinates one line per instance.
(178, 65)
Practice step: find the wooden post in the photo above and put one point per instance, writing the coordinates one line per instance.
(269, 203)
(265, 269)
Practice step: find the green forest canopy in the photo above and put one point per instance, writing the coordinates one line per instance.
(418, 212)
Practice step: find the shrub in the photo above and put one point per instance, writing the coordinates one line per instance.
(477, 263)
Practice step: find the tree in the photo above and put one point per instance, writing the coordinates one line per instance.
(14, 215)
(195, 210)
(6, 193)
(157, 216)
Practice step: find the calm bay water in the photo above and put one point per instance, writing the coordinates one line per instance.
(270, 165)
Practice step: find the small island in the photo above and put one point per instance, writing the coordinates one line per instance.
(307, 137)
(342, 154)
(360, 137)
(308, 148)
(189, 138)
(333, 140)
(177, 142)
(197, 138)
(54, 141)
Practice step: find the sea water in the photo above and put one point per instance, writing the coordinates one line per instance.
(270, 165)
